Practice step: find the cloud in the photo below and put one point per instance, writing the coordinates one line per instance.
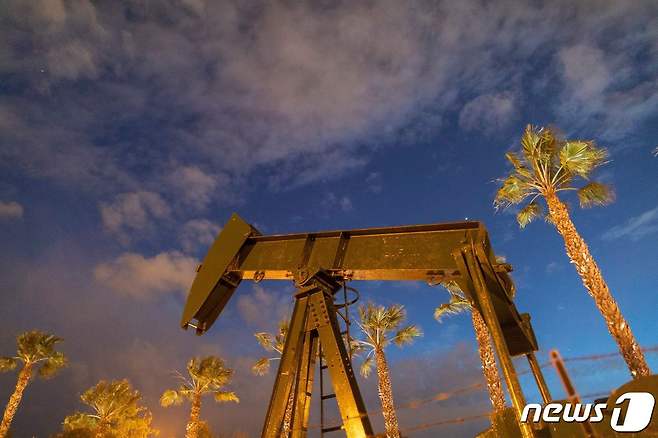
(263, 308)
(488, 112)
(585, 71)
(343, 202)
(374, 182)
(198, 233)
(553, 267)
(134, 211)
(11, 210)
(241, 90)
(193, 186)
(142, 277)
(72, 61)
(604, 90)
(636, 227)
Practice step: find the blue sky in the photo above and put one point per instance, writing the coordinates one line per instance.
(129, 132)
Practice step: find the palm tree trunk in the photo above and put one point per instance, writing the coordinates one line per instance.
(102, 429)
(489, 367)
(386, 395)
(592, 278)
(15, 399)
(287, 416)
(192, 429)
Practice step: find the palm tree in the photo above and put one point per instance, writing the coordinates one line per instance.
(381, 327)
(459, 303)
(35, 350)
(206, 375)
(271, 343)
(546, 166)
(115, 412)
(274, 344)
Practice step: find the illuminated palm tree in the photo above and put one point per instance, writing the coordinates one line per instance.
(36, 351)
(381, 326)
(274, 344)
(546, 166)
(459, 303)
(115, 412)
(207, 375)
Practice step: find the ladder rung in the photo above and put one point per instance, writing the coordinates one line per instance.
(332, 429)
(328, 396)
(324, 367)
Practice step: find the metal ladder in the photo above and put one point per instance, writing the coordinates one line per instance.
(345, 316)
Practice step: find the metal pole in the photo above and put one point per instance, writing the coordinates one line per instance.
(321, 392)
(572, 394)
(539, 377)
(489, 314)
(558, 363)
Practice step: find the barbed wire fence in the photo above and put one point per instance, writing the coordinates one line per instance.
(446, 395)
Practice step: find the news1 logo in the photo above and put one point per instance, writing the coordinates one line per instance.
(637, 418)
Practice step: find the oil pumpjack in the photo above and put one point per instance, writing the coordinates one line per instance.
(319, 264)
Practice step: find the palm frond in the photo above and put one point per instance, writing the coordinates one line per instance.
(280, 339)
(512, 191)
(406, 335)
(528, 213)
(283, 326)
(266, 340)
(594, 194)
(35, 345)
(171, 397)
(358, 347)
(261, 367)
(582, 157)
(8, 364)
(392, 317)
(453, 288)
(226, 396)
(114, 399)
(454, 307)
(530, 143)
(366, 366)
(550, 142)
(52, 365)
(79, 420)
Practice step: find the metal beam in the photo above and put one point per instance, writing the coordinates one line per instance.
(417, 252)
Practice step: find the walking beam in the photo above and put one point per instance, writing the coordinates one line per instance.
(417, 252)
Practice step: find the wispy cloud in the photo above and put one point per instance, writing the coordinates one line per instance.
(488, 112)
(147, 277)
(262, 308)
(135, 211)
(11, 210)
(553, 267)
(198, 233)
(636, 227)
(239, 89)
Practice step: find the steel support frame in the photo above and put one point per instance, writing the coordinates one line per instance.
(482, 297)
(314, 324)
(539, 377)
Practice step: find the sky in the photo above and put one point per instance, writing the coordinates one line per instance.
(131, 130)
